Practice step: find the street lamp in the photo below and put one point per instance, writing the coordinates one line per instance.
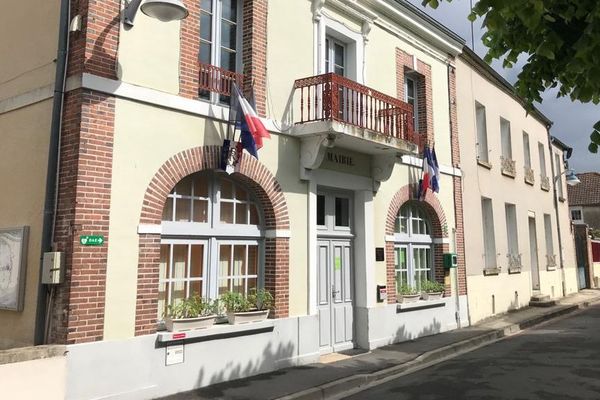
(163, 10)
(571, 178)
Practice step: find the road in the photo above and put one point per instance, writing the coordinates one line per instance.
(558, 360)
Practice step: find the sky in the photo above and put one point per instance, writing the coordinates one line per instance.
(573, 121)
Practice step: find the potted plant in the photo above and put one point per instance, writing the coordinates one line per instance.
(253, 308)
(191, 313)
(432, 290)
(407, 294)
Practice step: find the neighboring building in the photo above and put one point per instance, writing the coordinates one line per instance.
(584, 200)
(324, 219)
(508, 165)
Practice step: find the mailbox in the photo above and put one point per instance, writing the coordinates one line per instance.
(450, 260)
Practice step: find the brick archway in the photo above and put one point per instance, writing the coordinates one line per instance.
(259, 180)
(437, 217)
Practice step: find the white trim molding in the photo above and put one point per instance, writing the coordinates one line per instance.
(149, 228)
(418, 162)
(441, 241)
(278, 233)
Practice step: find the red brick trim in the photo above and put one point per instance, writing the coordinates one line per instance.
(94, 48)
(405, 65)
(436, 215)
(457, 185)
(189, 51)
(261, 183)
(83, 209)
(254, 51)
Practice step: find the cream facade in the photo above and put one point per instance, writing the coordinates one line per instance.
(512, 244)
(26, 89)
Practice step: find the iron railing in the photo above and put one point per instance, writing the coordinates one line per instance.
(331, 97)
(213, 79)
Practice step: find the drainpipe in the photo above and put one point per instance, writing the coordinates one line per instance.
(53, 164)
(555, 192)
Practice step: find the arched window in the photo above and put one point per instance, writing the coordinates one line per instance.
(413, 251)
(211, 240)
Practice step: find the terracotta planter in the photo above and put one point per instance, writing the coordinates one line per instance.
(188, 324)
(409, 298)
(432, 296)
(247, 316)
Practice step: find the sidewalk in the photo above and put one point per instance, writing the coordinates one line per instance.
(321, 381)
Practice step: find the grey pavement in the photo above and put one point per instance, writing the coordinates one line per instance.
(559, 360)
(318, 381)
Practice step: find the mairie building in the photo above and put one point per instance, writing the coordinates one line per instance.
(120, 202)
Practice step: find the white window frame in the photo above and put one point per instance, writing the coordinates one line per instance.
(526, 150)
(578, 209)
(489, 235)
(506, 139)
(512, 230)
(542, 156)
(412, 241)
(214, 232)
(330, 43)
(355, 47)
(481, 130)
(548, 235)
(215, 53)
(558, 177)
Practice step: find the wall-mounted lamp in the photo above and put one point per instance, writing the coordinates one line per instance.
(163, 10)
(571, 178)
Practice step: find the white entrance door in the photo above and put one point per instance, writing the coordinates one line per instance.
(336, 314)
(335, 292)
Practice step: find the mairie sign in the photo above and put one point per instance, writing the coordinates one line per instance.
(91, 240)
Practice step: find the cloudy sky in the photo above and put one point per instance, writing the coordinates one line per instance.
(573, 121)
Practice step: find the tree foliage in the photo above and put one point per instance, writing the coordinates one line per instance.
(560, 38)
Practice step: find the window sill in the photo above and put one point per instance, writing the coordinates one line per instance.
(561, 199)
(514, 270)
(420, 305)
(491, 271)
(219, 331)
(550, 267)
(484, 164)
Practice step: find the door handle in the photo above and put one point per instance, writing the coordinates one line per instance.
(334, 292)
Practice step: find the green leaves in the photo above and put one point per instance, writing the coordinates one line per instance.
(561, 39)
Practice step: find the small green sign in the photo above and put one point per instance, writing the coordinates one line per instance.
(91, 240)
(338, 263)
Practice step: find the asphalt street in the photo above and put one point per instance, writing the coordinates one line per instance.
(557, 360)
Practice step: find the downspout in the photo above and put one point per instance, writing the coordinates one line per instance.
(53, 164)
(555, 180)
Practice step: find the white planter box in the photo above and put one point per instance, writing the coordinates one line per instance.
(248, 316)
(187, 324)
(409, 298)
(432, 296)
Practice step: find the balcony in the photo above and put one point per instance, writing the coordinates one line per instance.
(352, 116)
(216, 83)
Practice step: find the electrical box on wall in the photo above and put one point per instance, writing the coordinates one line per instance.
(381, 293)
(450, 260)
(53, 268)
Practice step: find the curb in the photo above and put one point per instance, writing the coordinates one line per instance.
(355, 383)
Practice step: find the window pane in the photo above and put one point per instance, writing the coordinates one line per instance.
(180, 259)
(168, 210)
(342, 209)
(182, 212)
(227, 213)
(252, 284)
(227, 59)
(239, 260)
(164, 270)
(177, 292)
(195, 288)
(241, 214)
(240, 193)
(197, 267)
(320, 209)
(253, 215)
(339, 55)
(226, 189)
(185, 186)
(230, 10)
(205, 56)
(238, 285)
(206, 27)
(228, 32)
(163, 289)
(252, 260)
(206, 5)
(200, 211)
(200, 185)
(224, 260)
(223, 286)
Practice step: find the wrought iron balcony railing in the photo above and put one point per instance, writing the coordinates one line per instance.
(331, 97)
(217, 80)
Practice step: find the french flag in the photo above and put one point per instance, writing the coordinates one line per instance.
(431, 174)
(251, 127)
